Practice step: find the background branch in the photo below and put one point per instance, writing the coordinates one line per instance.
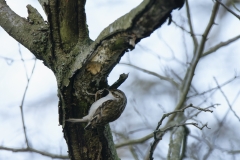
(220, 45)
(24, 95)
(230, 106)
(228, 9)
(154, 74)
(29, 149)
(195, 42)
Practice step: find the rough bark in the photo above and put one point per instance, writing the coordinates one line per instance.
(79, 64)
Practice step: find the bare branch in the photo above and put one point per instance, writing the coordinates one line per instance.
(8, 60)
(212, 89)
(212, 106)
(228, 9)
(233, 3)
(230, 106)
(190, 72)
(214, 146)
(29, 149)
(24, 94)
(181, 27)
(132, 150)
(159, 134)
(220, 45)
(154, 74)
(135, 141)
(147, 137)
(120, 80)
(178, 111)
(195, 42)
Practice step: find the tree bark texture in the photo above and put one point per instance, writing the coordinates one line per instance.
(80, 64)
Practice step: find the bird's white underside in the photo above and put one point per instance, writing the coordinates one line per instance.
(93, 108)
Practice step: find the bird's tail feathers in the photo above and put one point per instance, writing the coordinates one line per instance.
(76, 120)
(88, 126)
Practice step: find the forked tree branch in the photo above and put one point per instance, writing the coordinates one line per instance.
(159, 133)
(29, 32)
(124, 33)
(24, 95)
(147, 137)
(190, 72)
(229, 105)
(215, 88)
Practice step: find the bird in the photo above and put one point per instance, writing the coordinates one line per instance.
(104, 110)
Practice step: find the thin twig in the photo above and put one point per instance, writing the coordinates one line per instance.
(158, 133)
(162, 132)
(23, 61)
(24, 95)
(217, 132)
(8, 60)
(220, 45)
(181, 110)
(132, 150)
(29, 149)
(147, 137)
(195, 42)
(211, 145)
(154, 74)
(235, 6)
(212, 89)
(120, 80)
(194, 115)
(134, 141)
(230, 106)
(11, 60)
(181, 27)
(228, 9)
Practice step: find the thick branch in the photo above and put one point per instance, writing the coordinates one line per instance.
(124, 33)
(83, 29)
(54, 27)
(43, 3)
(31, 32)
(120, 80)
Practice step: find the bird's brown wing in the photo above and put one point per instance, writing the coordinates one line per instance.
(107, 112)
